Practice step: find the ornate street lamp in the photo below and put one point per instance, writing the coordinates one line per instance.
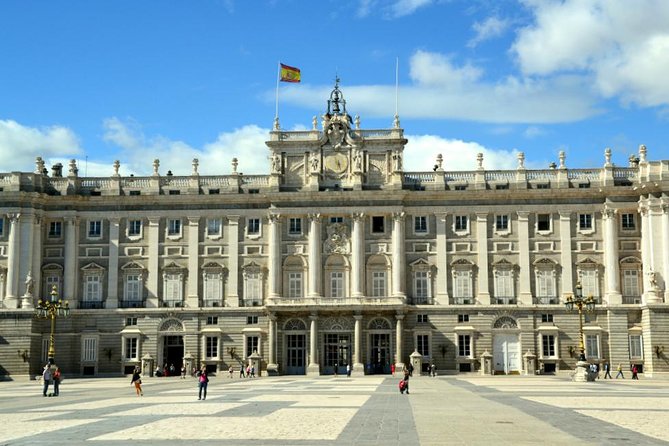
(580, 302)
(52, 309)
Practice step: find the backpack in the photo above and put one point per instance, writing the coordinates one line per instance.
(402, 384)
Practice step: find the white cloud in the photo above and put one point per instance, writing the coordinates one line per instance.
(624, 48)
(440, 89)
(488, 29)
(533, 131)
(403, 8)
(247, 144)
(422, 150)
(19, 145)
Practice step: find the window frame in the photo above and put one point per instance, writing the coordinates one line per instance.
(92, 224)
(171, 226)
(55, 230)
(295, 226)
(421, 225)
(218, 224)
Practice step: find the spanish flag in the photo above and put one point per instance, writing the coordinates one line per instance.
(289, 74)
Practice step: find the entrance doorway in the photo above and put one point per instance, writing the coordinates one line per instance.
(506, 354)
(296, 352)
(380, 355)
(173, 352)
(337, 353)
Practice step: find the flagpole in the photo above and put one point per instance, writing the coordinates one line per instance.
(278, 76)
(397, 85)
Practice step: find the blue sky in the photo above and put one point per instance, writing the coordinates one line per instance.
(176, 80)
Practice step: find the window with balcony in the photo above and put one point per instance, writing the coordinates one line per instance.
(253, 284)
(173, 286)
(337, 284)
(295, 285)
(462, 287)
(504, 285)
(589, 279)
(212, 285)
(379, 284)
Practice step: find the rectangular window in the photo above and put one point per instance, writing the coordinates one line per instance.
(543, 186)
(134, 227)
(172, 291)
(546, 318)
(174, 192)
(504, 290)
(212, 347)
(420, 224)
(548, 346)
(212, 286)
(92, 289)
(420, 284)
(463, 318)
(130, 321)
(132, 287)
(294, 226)
(545, 284)
(94, 229)
(584, 185)
(585, 222)
(214, 227)
(253, 227)
(462, 285)
(589, 282)
(423, 344)
(631, 283)
(253, 287)
(543, 222)
(636, 347)
(212, 320)
(135, 192)
(464, 347)
(174, 226)
(501, 186)
(294, 285)
(627, 221)
(336, 219)
(460, 187)
(130, 349)
(501, 223)
(251, 320)
(55, 229)
(378, 224)
(337, 284)
(252, 345)
(421, 318)
(378, 284)
(89, 351)
(592, 346)
(461, 223)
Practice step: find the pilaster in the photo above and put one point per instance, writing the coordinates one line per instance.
(153, 249)
(442, 261)
(399, 339)
(315, 258)
(112, 273)
(274, 260)
(482, 256)
(192, 299)
(70, 254)
(12, 292)
(232, 299)
(525, 296)
(399, 257)
(567, 278)
(611, 259)
(358, 256)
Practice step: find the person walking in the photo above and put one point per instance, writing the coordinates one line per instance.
(433, 370)
(410, 370)
(46, 378)
(137, 381)
(392, 369)
(607, 371)
(241, 370)
(183, 372)
(405, 380)
(635, 372)
(348, 370)
(253, 371)
(620, 371)
(231, 371)
(203, 380)
(56, 381)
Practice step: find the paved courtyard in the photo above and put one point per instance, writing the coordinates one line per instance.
(343, 411)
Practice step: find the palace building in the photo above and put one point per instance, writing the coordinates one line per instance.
(337, 257)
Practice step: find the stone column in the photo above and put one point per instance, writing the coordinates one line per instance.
(482, 257)
(272, 366)
(315, 258)
(647, 254)
(665, 249)
(192, 298)
(525, 297)
(358, 256)
(399, 338)
(232, 299)
(442, 261)
(358, 366)
(12, 292)
(112, 273)
(26, 260)
(70, 271)
(153, 249)
(399, 257)
(37, 256)
(612, 268)
(567, 278)
(274, 260)
(314, 367)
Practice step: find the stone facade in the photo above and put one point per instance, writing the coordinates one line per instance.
(337, 256)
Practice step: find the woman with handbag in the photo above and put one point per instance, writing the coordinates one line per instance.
(137, 381)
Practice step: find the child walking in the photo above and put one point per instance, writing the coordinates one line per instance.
(137, 381)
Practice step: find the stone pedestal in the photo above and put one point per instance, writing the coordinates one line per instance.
(189, 362)
(272, 369)
(582, 371)
(530, 363)
(27, 302)
(416, 362)
(486, 363)
(147, 365)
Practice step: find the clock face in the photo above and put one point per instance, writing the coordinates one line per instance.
(337, 162)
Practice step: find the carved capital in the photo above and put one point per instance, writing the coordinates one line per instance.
(274, 218)
(399, 216)
(358, 217)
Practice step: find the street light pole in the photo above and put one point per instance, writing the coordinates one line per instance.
(580, 302)
(52, 309)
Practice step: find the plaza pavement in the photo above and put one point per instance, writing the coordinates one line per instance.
(326, 410)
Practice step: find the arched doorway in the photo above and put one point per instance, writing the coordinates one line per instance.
(337, 352)
(506, 346)
(296, 346)
(171, 344)
(380, 357)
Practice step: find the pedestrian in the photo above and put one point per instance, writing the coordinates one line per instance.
(253, 371)
(183, 372)
(172, 370)
(348, 370)
(241, 370)
(607, 371)
(336, 366)
(56, 381)
(231, 371)
(137, 381)
(392, 369)
(410, 370)
(620, 371)
(635, 372)
(46, 378)
(433, 369)
(248, 371)
(157, 372)
(203, 381)
(405, 387)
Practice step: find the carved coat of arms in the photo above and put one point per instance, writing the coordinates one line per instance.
(337, 241)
